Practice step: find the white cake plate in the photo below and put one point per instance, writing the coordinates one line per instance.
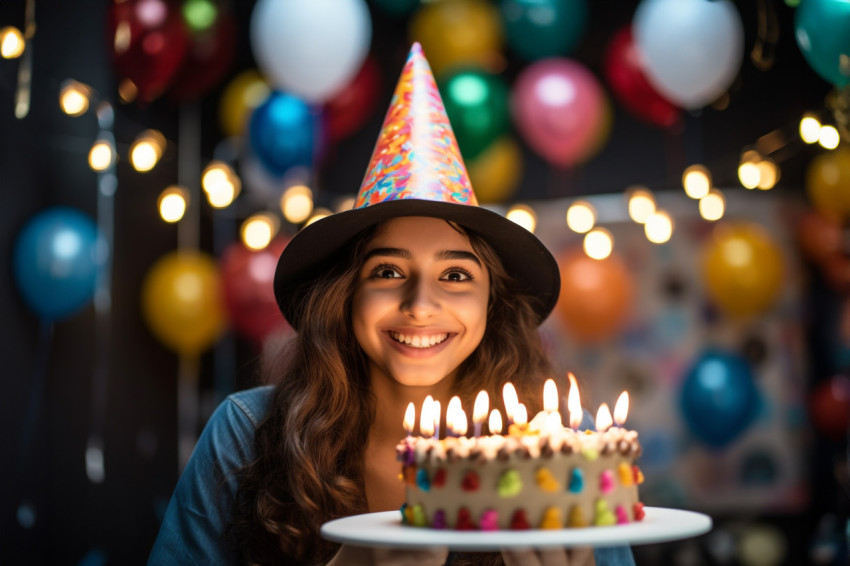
(385, 530)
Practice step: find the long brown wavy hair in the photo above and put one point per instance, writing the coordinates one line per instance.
(308, 466)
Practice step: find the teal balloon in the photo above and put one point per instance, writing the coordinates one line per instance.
(822, 29)
(477, 106)
(543, 28)
(57, 260)
(396, 8)
(719, 398)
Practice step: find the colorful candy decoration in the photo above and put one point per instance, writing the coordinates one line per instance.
(422, 480)
(471, 481)
(439, 520)
(606, 481)
(419, 519)
(464, 520)
(604, 516)
(576, 518)
(576, 480)
(439, 479)
(622, 515)
(638, 475)
(551, 519)
(626, 474)
(590, 454)
(519, 521)
(546, 481)
(638, 512)
(510, 484)
(407, 514)
(489, 520)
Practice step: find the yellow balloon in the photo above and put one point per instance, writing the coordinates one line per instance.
(495, 173)
(828, 183)
(743, 269)
(457, 33)
(181, 301)
(241, 96)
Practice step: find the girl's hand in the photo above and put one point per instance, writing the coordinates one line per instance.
(363, 556)
(549, 557)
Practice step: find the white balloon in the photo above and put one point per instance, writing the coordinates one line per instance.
(692, 49)
(310, 48)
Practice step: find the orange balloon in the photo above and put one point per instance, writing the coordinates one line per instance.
(743, 269)
(495, 173)
(182, 301)
(456, 33)
(245, 92)
(828, 184)
(596, 295)
(819, 237)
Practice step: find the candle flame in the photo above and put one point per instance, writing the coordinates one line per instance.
(621, 409)
(481, 407)
(574, 403)
(550, 396)
(510, 398)
(495, 422)
(409, 418)
(436, 412)
(453, 411)
(426, 417)
(603, 418)
(460, 423)
(520, 415)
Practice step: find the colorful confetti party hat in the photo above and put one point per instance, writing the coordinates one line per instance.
(416, 170)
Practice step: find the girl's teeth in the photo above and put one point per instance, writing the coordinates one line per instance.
(419, 341)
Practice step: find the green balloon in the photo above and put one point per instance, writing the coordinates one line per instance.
(477, 106)
(543, 28)
(822, 29)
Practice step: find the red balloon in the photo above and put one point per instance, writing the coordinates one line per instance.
(829, 406)
(820, 237)
(625, 73)
(249, 301)
(149, 41)
(346, 112)
(208, 60)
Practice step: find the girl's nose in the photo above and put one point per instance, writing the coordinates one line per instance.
(420, 300)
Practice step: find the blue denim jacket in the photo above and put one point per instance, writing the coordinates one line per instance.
(194, 523)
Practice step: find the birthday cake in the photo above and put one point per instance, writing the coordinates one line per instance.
(539, 475)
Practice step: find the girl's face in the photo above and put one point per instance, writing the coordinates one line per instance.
(420, 304)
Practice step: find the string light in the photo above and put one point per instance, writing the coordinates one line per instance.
(768, 174)
(221, 184)
(696, 181)
(101, 155)
(74, 98)
(581, 216)
(296, 204)
(147, 149)
(658, 227)
(258, 230)
(712, 206)
(809, 129)
(641, 203)
(598, 243)
(828, 137)
(524, 216)
(11, 42)
(172, 203)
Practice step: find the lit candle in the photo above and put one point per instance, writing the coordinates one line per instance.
(521, 415)
(511, 401)
(574, 403)
(461, 424)
(453, 411)
(436, 411)
(550, 396)
(409, 419)
(426, 418)
(603, 418)
(480, 410)
(621, 409)
(495, 422)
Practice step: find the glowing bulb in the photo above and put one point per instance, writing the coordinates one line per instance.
(101, 155)
(221, 184)
(524, 216)
(712, 206)
(11, 42)
(581, 217)
(172, 204)
(603, 418)
(74, 98)
(297, 203)
(828, 137)
(768, 174)
(598, 243)
(696, 181)
(641, 204)
(809, 129)
(146, 150)
(658, 227)
(258, 231)
(749, 174)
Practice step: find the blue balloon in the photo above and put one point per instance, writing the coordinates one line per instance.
(719, 399)
(284, 132)
(822, 30)
(57, 260)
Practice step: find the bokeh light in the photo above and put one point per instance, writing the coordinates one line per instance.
(828, 137)
(221, 184)
(172, 203)
(524, 216)
(809, 129)
(147, 149)
(768, 174)
(74, 98)
(581, 216)
(641, 203)
(101, 155)
(696, 181)
(658, 227)
(712, 206)
(258, 230)
(11, 42)
(296, 204)
(598, 243)
(318, 214)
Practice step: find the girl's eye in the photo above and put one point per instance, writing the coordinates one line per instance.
(385, 272)
(458, 274)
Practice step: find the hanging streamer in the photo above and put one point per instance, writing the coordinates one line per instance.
(22, 95)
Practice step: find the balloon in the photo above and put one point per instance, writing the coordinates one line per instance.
(284, 132)
(819, 236)
(828, 184)
(458, 33)
(561, 111)
(692, 49)
(627, 78)
(743, 269)
(477, 106)
(836, 272)
(496, 172)
(57, 259)
(536, 29)
(242, 95)
(311, 48)
(396, 8)
(596, 295)
(719, 397)
(829, 406)
(209, 58)
(822, 29)
(249, 300)
(181, 301)
(352, 107)
(149, 42)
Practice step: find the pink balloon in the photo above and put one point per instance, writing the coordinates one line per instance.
(561, 111)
